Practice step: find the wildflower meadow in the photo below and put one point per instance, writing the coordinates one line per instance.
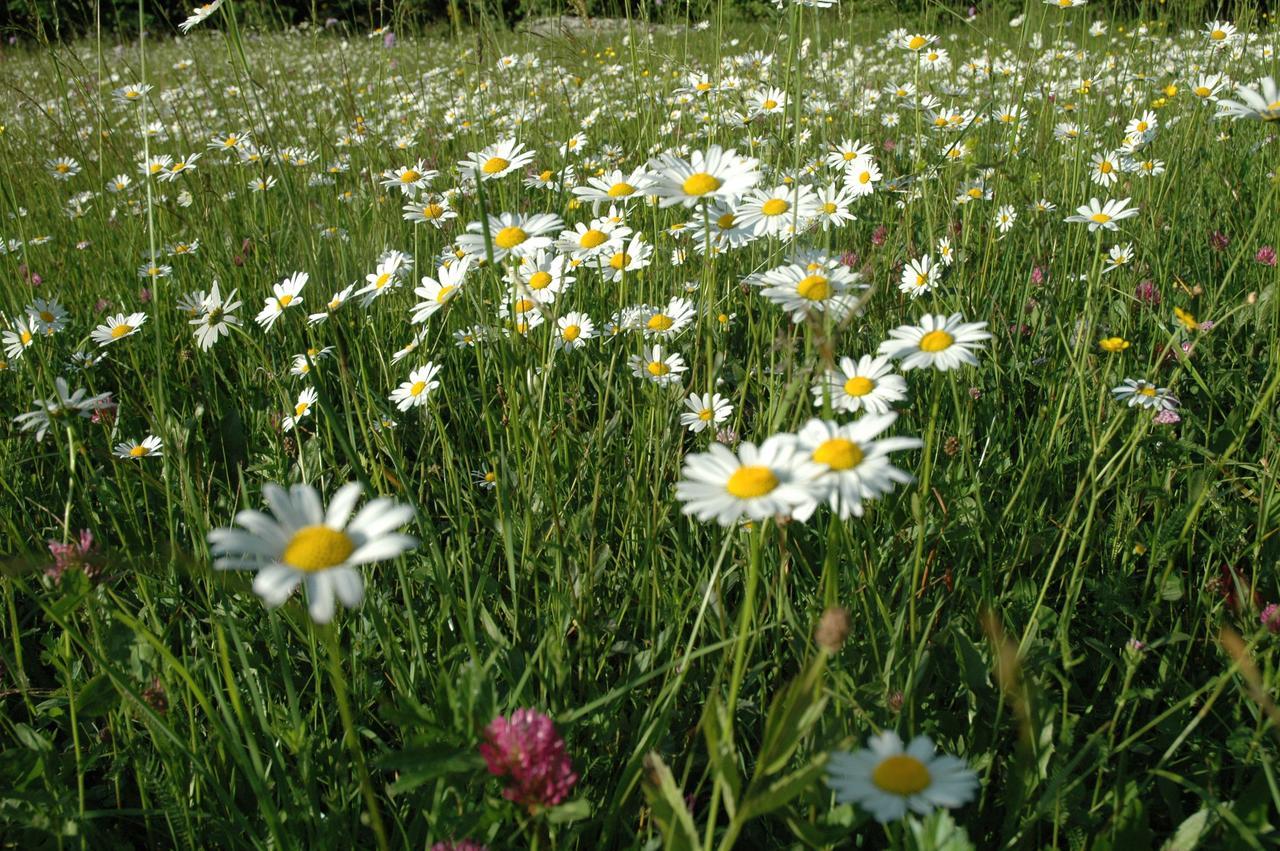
(834, 427)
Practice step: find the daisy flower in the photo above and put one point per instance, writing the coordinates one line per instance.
(615, 187)
(497, 160)
(573, 330)
(670, 320)
(216, 318)
(775, 478)
(920, 276)
(887, 780)
(1254, 104)
(869, 385)
(1144, 394)
(777, 212)
(62, 403)
(150, 445)
(409, 179)
(510, 234)
(942, 342)
(857, 465)
(287, 293)
(302, 543)
(301, 409)
(414, 392)
(17, 339)
(706, 176)
(658, 366)
(199, 15)
(705, 410)
(436, 292)
(1098, 215)
(117, 328)
(433, 210)
(809, 289)
(332, 305)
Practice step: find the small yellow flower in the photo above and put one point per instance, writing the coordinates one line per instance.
(1113, 344)
(1188, 320)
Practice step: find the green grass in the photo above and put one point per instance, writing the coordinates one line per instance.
(158, 703)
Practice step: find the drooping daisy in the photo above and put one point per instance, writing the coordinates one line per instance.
(497, 160)
(415, 392)
(887, 780)
(217, 315)
(941, 342)
(302, 543)
(773, 479)
(869, 385)
(199, 15)
(857, 464)
(385, 277)
(62, 403)
(1098, 215)
(286, 294)
(705, 410)
(335, 303)
(117, 328)
(1144, 394)
(1118, 256)
(657, 365)
(132, 449)
(706, 176)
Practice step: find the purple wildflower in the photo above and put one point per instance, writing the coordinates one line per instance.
(527, 749)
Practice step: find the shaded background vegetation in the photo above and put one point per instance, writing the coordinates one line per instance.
(52, 19)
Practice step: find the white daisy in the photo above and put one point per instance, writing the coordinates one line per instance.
(857, 465)
(869, 385)
(888, 780)
(302, 543)
(942, 342)
(758, 482)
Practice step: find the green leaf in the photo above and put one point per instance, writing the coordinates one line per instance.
(423, 764)
(793, 713)
(1189, 832)
(570, 811)
(97, 697)
(667, 803)
(720, 750)
(780, 792)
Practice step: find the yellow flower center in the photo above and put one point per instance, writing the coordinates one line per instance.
(539, 280)
(523, 305)
(301, 408)
(381, 280)
(417, 388)
(706, 414)
(592, 238)
(620, 190)
(494, 165)
(121, 330)
(770, 104)
(432, 211)
(1105, 167)
(620, 260)
(25, 337)
(660, 322)
(138, 451)
(1114, 344)
(936, 341)
(700, 184)
(1202, 91)
(443, 294)
(859, 386)
(838, 453)
(917, 42)
(545, 176)
(314, 548)
(1148, 391)
(510, 237)
(814, 288)
(726, 221)
(284, 300)
(902, 774)
(751, 481)
(409, 176)
(657, 368)
(1217, 35)
(571, 332)
(829, 208)
(774, 207)
(864, 178)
